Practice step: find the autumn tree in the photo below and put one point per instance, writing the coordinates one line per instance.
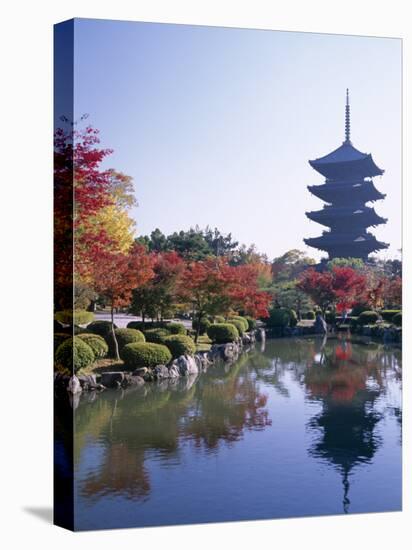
(214, 287)
(160, 294)
(115, 275)
(393, 292)
(340, 287)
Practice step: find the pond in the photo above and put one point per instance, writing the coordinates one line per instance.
(305, 427)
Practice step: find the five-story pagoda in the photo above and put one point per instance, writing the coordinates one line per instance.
(347, 189)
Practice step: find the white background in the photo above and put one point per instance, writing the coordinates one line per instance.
(26, 273)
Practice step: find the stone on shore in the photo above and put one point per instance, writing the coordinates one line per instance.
(186, 364)
(112, 379)
(133, 380)
(74, 385)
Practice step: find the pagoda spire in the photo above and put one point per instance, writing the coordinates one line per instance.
(347, 189)
(347, 118)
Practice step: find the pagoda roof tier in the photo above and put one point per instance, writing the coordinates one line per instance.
(355, 216)
(346, 161)
(363, 243)
(355, 191)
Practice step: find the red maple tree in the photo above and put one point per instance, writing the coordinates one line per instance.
(214, 287)
(116, 275)
(340, 287)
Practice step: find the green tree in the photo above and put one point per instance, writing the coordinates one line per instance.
(219, 244)
(354, 263)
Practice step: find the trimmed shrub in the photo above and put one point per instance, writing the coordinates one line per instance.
(123, 336)
(74, 354)
(388, 314)
(128, 336)
(240, 325)
(251, 323)
(309, 315)
(139, 325)
(368, 318)
(241, 319)
(358, 309)
(156, 335)
(145, 354)
(221, 333)
(179, 344)
(330, 317)
(59, 338)
(73, 330)
(397, 319)
(278, 317)
(176, 328)
(102, 328)
(74, 317)
(203, 325)
(219, 319)
(79, 330)
(293, 320)
(97, 343)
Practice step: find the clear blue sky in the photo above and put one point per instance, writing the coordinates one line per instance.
(216, 125)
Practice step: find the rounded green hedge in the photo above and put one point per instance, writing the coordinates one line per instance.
(179, 344)
(97, 343)
(367, 318)
(309, 315)
(280, 317)
(221, 333)
(203, 325)
(59, 338)
(145, 354)
(74, 354)
(139, 325)
(176, 328)
(251, 323)
(126, 336)
(102, 328)
(240, 325)
(219, 319)
(358, 309)
(242, 320)
(74, 317)
(388, 314)
(156, 335)
(293, 320)
(397, 319)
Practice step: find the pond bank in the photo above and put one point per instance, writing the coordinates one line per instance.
(185, 365)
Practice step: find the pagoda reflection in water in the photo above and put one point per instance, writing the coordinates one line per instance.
(347, 189)
(346, 425)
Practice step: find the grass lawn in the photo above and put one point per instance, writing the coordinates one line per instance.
(103, 365)
(203, 343)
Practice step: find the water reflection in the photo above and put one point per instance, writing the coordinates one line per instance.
(347, 380)
(345, 427)
(345, 389)
(128, 425)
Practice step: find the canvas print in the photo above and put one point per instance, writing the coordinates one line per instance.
(228, 274)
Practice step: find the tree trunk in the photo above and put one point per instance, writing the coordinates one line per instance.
(198, 327)
(116, 344)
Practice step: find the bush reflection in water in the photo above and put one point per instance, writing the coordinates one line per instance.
(217, 408)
